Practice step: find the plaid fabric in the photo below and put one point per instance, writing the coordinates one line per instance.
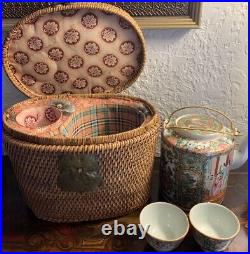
(103, 120)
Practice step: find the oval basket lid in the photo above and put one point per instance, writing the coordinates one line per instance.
(76, 48)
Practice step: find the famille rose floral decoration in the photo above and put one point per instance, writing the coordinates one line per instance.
(97, 52)
(195, 162)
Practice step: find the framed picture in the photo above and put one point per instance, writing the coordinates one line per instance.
(149, 15)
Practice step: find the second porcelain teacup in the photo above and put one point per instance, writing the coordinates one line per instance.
(168, 225)
(214, 226)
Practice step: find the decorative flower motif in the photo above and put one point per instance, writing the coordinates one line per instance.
(21, 58)
(89, 20)
(56, 54)
(91, 48)
(64, 106)
(28, 80)
(124, 24)
(35, 43)
(69, 13)
(128, 70)
(16, 34)
(48, 88)
(94, 71)
(51, 27)
(127, 47)
(72, 36)
(30, 121)
(80, 83)
(12, 68)
(50, 114)
(61, 76)
(110, 60)
(75, 62)
(41, 68)
(97, 89)
(112, 81)
(108, 34)
(31, 20)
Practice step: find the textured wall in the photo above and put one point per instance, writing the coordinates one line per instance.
(206, 66)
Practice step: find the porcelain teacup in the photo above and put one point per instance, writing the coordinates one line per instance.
(214, 226)
(168, 225)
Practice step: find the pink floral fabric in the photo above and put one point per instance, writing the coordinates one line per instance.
(75, 51)
(56, 54)
(35, 43)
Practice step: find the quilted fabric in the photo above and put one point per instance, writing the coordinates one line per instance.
(76, 51)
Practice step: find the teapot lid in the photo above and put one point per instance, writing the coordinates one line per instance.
(80, 48)
(198, 126)
(199, 133)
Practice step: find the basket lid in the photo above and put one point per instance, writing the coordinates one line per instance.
(76, 48)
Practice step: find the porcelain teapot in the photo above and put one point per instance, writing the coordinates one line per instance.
(197, 153)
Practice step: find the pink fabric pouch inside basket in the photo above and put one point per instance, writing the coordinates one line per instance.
(38, 117)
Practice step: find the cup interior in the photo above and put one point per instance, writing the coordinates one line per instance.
(166, 222)
(214, 220)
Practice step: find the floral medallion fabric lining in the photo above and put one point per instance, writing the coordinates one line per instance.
(81, 51)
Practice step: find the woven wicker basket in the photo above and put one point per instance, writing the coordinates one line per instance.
(91, 158)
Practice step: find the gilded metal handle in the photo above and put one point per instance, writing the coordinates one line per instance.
(234, 132)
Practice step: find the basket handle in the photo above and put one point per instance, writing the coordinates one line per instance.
(234, 132)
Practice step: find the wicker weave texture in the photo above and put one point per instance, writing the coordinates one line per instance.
(125, 167)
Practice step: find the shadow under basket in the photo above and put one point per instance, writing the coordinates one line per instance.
(93, 163)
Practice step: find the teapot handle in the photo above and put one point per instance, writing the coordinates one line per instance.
(234, 132)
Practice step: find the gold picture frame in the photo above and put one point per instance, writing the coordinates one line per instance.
(149, 15)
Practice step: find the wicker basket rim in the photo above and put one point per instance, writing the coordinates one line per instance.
(85, 140)
(90, 147)
(60, 7)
